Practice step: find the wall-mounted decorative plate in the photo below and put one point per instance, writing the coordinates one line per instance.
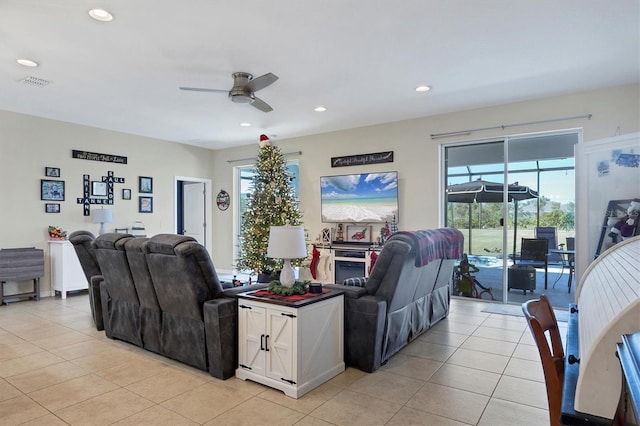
(223, 200)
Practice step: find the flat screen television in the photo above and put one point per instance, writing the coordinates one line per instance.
(359, 198)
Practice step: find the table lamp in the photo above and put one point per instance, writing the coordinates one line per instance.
(287, 242)
(102, 216)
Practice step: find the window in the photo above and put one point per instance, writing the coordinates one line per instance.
(245, 187)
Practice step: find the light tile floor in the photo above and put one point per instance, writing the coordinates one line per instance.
(473, 368)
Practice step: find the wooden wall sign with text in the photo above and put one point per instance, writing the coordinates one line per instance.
(362, 159)
(96, 156)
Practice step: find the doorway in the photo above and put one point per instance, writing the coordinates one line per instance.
(192, 210)
(495, 226)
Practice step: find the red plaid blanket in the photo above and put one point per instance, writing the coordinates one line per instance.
(442, 243)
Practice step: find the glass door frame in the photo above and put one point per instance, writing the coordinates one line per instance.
(442, 181)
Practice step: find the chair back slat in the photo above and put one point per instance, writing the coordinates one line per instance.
(542, 322)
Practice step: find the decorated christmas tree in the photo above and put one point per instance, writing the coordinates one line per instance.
(272, 203)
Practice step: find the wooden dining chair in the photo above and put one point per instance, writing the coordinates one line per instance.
(542, 321)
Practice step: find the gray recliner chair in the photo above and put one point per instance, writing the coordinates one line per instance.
(199, 325)
(150, 313)
(406, 294)
(120, 303)
(83, 245)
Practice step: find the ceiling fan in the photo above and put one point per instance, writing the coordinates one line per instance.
(244, 87)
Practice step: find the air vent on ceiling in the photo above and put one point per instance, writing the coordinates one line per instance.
(34, 81)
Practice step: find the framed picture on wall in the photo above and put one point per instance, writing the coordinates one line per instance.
(145, 204)
(52, 208)
(99, 188)
(51, 190)
(126, 194)
(145, 184)
(52, 172)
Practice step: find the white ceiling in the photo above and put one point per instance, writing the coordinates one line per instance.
(361, 59)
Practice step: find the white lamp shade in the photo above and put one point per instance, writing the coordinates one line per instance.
(103, 216)
(287, 242)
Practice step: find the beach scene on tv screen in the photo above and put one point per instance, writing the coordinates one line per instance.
(366, 197)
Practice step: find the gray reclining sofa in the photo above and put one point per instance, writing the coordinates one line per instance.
(83, 245)
(406, 293)
(163, 294)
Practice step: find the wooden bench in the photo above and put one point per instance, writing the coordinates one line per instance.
(21, 264)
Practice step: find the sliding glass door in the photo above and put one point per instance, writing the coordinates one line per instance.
(503, 191)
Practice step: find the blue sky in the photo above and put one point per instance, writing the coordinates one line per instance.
(364, 185)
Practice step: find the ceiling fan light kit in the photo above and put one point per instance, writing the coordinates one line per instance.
(244, 88)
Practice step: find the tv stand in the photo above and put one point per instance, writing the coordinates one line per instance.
(347, 260)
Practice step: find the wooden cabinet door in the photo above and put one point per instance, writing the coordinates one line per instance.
(280, 357)
(252, 337)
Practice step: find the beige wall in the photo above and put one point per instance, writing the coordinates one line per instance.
(28, 144)
(416, 155)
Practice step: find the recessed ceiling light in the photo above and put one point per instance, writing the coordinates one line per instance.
(245, 124)
(101, 15)
(320, 109)
(423, 88)
(27, 62)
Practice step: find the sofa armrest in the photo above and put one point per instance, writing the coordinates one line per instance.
(234, 291)
(221, 331)
(94, 301)
(350, 292)
(364, 331)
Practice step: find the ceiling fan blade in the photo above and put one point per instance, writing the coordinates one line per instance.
(261, 105)
(261, 82)
(199, 89)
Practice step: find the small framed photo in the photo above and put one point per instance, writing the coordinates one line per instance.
(52, 172)
(99, 188)
(51, 190)
(52, 208)
(145, 204)
(126, 194)
(145, 184)
(358, 234)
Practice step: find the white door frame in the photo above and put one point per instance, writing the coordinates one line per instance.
(207, 207)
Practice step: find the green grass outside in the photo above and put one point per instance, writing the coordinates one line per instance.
(488, 242)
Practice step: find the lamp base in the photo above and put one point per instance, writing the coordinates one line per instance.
(287, 278)
(103, 229)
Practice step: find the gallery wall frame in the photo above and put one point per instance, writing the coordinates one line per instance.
(52, 172)
(145, 204)
(51, 190)
(126, 194)
(52, 208)
(98, 188)
(145, 185)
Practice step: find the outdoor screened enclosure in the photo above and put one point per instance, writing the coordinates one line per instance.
(539, 192)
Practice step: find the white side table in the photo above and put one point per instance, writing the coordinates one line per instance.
(66, 272)
(290, 346)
